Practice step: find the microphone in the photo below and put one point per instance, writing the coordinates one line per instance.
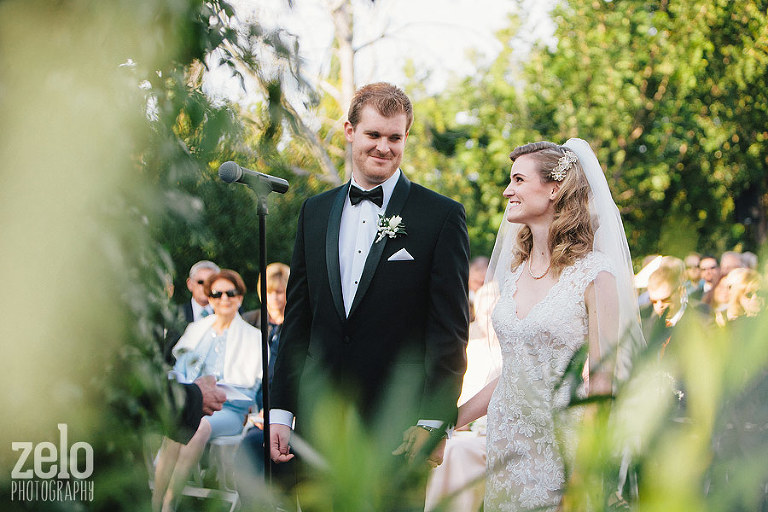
(230, 172)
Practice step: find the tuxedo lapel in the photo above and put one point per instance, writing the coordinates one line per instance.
(396, 203)
(332, 249)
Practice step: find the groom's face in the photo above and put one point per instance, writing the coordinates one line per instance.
(377, 146)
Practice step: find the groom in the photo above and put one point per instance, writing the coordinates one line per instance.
(374, 306)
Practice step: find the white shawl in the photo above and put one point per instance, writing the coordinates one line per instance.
(242, 359)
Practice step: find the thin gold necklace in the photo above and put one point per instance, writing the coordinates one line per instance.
(530, 272)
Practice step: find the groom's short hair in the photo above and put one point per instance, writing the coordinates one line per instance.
(386, 98)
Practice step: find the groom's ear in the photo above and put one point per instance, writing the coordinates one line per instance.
(349, 131)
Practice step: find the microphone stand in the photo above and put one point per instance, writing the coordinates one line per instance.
(263, 211)
(262, 185)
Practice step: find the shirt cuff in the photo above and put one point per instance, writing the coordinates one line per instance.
(437, 424)
(281, 417)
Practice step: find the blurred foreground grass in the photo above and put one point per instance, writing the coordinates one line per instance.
(76, 260)
(692, 426)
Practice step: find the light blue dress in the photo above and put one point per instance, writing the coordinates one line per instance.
(208, 359)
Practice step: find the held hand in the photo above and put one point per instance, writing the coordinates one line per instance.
(279, 437)
(436, 457)
(414, 440)
(409, 438)
(213, 397)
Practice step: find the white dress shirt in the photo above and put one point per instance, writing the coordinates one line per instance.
(197, 310)
(357, 232)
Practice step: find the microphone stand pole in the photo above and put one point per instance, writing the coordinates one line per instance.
(262, 185)
(263, 211)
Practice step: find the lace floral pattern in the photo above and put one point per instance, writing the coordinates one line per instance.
(524, 465)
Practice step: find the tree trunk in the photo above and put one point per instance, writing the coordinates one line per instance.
(343, 21)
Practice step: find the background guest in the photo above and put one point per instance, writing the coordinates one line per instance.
(649, 265)
(694, 284)
(277, 281)
(749, 259)
(198, 306)
(710, 272)
(227, 347)
(477, 269)
(718, 300)
(203, 398)
(250, 456)
(668, 302)
(730, 260)
(743, 294)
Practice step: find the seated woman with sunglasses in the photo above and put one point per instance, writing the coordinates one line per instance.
(227, 347)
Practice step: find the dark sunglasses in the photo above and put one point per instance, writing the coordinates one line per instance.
(229, 293)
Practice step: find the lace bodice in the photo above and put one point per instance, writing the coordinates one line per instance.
(525, 468)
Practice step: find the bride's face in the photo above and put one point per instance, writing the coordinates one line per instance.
(530, 200)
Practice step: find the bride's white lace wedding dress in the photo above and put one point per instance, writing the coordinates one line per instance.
(525, 465)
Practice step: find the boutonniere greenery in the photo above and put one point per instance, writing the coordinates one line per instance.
(391, 227)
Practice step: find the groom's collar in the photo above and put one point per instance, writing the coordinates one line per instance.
(387, 187)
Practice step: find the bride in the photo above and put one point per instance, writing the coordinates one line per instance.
(563, 271)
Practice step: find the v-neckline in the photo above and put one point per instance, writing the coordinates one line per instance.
(543, 299)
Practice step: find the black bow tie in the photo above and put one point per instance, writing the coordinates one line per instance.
(376, 195)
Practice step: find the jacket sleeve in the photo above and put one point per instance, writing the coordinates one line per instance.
(294, 339)
(447, 326)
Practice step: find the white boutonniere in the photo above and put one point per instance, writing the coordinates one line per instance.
(391, 227)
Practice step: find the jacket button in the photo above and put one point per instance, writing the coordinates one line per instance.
(347, 341)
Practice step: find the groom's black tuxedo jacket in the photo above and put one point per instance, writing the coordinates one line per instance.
(409, 319)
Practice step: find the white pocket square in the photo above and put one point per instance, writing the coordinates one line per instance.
(401, 255)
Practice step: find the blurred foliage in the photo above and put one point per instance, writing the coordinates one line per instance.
(111, 121)
(197, 216)
(686, 432)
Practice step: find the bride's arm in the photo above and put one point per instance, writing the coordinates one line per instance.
(603, 332)
(477, 406)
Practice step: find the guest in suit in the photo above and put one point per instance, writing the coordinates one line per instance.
(669, 303)
(198, 306)
(222, 345)
(378, 290)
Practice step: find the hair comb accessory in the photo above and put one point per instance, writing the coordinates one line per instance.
(563, 164)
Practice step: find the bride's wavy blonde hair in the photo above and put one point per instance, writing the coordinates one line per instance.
(571, 234)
